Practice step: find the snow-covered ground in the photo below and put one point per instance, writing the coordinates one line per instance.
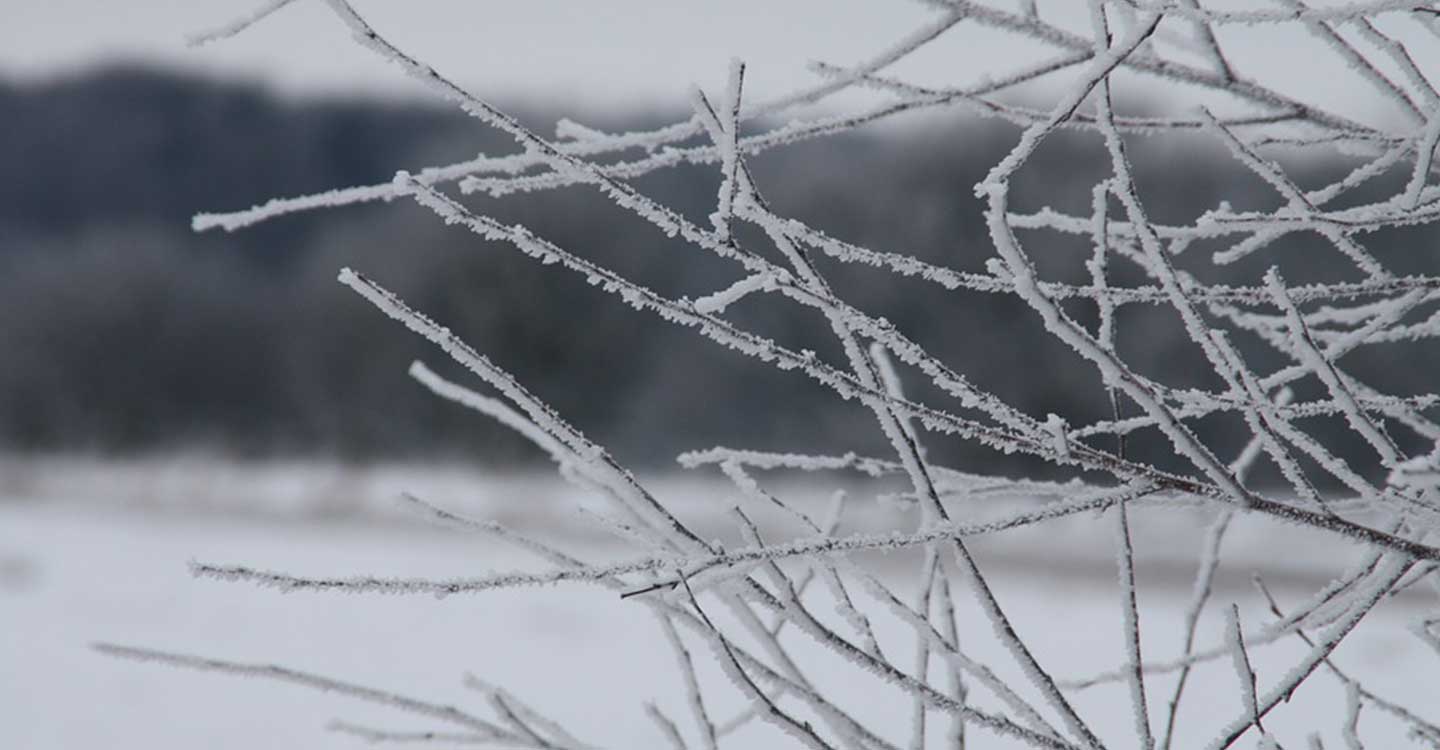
(95, 552)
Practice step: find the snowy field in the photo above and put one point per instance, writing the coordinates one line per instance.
(95, 552)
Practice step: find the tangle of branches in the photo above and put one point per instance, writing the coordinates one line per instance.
(1387, 501)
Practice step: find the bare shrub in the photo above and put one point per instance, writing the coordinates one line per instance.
(1381, 496)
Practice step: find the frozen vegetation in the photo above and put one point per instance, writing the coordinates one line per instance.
(864, 607)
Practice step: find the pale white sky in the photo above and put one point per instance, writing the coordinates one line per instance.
(625, 49)
(577, 51)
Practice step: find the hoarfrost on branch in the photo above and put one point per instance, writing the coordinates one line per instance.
(764, 587)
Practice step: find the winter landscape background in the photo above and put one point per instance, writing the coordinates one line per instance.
(134, 335)
(98, 551)
(167, 395)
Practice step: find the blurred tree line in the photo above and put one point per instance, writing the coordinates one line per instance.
(122, 331)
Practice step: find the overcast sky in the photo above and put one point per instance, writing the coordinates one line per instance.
(583, 52)
(626, 49)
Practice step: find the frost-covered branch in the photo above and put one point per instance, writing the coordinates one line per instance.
(807, 579)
